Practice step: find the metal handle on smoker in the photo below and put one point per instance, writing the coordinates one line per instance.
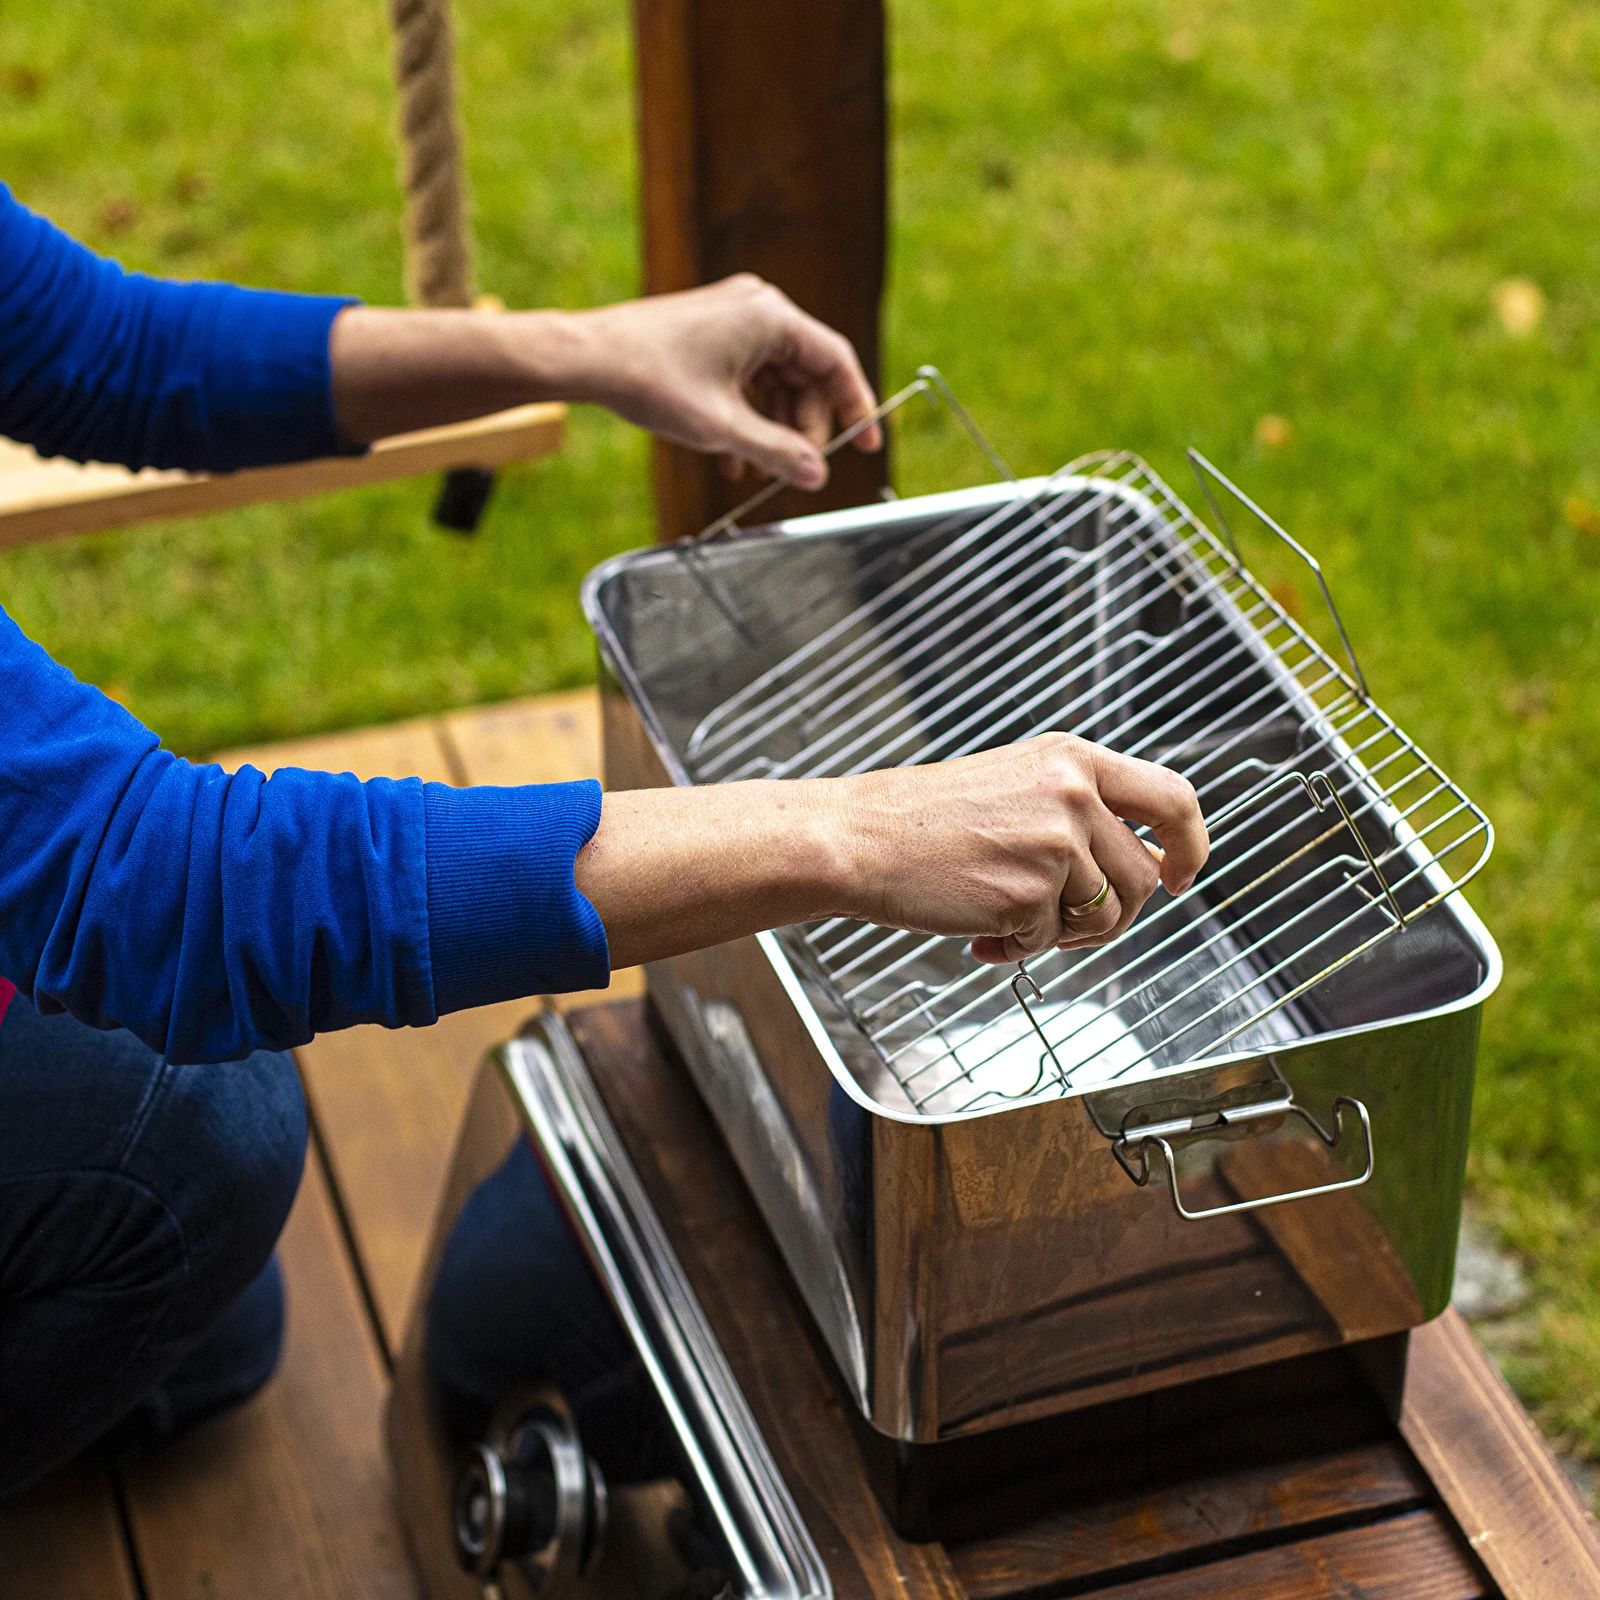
(1161, 1135)
(929, 381)
(1198, 461)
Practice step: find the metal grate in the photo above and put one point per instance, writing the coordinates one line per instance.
(1096, 603)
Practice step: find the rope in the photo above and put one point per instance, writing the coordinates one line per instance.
(438, 252)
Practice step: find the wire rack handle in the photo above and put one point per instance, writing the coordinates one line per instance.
(1323, 794)
(1202, 467)
(929, 381)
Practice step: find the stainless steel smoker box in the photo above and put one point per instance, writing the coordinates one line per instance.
(1234, 1136)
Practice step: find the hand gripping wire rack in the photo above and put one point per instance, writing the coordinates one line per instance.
(1095, 602)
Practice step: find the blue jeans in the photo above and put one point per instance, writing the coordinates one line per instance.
(139, 1205)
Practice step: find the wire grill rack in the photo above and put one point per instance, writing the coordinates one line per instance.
(1096, 603)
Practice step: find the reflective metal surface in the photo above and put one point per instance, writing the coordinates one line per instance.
(951, 1202)
(555, 1331)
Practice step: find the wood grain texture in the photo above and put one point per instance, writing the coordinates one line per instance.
(289, 1496)
(1186, 1520)
(553, 738)
(1494, 1470)
(62, 1541)
(56, 499)
(387, 1104)
(1260, 1312)
(740, 1281)
(740, 173)
(1415, 1557)
(1334, 1245)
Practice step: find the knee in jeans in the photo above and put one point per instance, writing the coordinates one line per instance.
(250, 1120)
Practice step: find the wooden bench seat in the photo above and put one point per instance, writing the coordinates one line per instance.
(57, 499)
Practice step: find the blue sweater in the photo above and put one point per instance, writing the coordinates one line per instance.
(213, 914)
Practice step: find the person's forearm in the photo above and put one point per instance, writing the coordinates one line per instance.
(995, 847)
(671, 870)
(691, 367)
(396, 371)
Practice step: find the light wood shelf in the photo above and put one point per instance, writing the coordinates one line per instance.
(57, 499)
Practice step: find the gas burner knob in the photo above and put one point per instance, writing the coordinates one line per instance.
(526, 1494)
(498, 1512)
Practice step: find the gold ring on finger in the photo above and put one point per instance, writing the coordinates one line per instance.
(1084, 908)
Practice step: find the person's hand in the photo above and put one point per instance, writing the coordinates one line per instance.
(1000, 846)
(735, 369)
(993, 847)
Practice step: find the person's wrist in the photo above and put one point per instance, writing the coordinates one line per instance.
(586, 356)
(560, 354)
(842, 859)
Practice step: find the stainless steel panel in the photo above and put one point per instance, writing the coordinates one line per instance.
(538, 1089)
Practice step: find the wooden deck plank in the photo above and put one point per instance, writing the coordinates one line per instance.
(412, 749)
(63, 1541)
(388, 1105)
(288, 1496)
(57, 499)
(1212, 1513)
(1415, 1557)
(553, 738)
(1494, 1470)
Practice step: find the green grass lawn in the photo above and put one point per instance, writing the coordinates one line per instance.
(1127, 222)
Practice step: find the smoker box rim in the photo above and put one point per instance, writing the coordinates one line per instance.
(916, 509)
(817, 524)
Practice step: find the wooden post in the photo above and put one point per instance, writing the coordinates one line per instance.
(761, 136)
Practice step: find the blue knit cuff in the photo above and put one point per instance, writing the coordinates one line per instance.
(505, 919)
(270, 388)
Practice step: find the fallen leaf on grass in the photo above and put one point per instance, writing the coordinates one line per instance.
(25, 83)
(1288, 596)
(1273, 432)
(1530, 701)
(117, 216)
(1519, 304)
(1581, 515)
